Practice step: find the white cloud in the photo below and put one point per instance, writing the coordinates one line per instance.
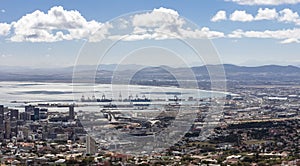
(288, 16)
(241, 15)
(165, 23)
(150, 25)
(3, 11)
(157, 18)
(266, 14)
(123, 23)
(220, 15)
(58, 24)
(4, 29)
(162, 24)
(236, 34)
(6, 55)
(162, 33)
(290, 40)
(157, 24)
(264, 2)
(204, 32)
(286, 35)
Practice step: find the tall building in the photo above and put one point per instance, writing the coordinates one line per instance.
(13, 127)
(29, 108)
(2, 127)
(71, 112)
(1, 115)
(36, 114)
(91, 147)
(43, 113)
(7, 130)
(14, 114)
(25, 116)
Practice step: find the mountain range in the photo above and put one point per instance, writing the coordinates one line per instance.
(158, 75)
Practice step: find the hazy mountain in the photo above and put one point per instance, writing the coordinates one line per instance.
(162, 75)
(260, 69)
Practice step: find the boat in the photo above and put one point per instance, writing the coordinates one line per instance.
(103, 99)
(175, 99)
(141, 104)
(140, 100)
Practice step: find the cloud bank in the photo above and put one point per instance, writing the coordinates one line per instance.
(286, 36)
(59, 24)
(56, 25)
(286, 16)
(264, 2)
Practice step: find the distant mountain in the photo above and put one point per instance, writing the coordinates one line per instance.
(160, 75)
(113, 67)
(260, 69)
(234, 69)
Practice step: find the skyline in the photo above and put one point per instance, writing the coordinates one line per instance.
(244, 32)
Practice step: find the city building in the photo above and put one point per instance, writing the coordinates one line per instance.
(71, 112)
(91, 147)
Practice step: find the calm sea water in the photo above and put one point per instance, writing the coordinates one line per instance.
(14, 94)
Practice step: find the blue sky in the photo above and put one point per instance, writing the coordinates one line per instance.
(244, 32)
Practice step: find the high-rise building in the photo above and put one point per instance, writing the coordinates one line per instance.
(2, 127)
(1, 115)
(43, 113)
(91, 147)
(7, 130)
(29, 108)
(36, 114)
(25, 116)
(14, 114)
(13, 127)
(71, 112)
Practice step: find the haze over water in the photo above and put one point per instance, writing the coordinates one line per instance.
(16, 93)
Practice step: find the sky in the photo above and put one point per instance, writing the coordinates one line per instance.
(59, 33)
